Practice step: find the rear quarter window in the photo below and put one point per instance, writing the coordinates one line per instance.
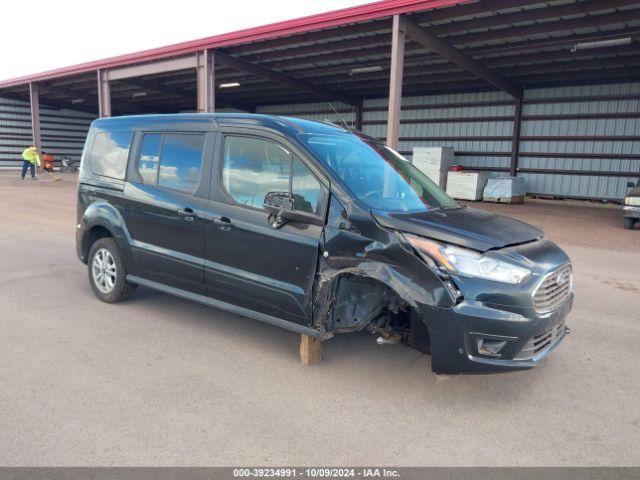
(181, 161)
(109, 154)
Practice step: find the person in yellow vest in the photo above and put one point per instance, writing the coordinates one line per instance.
(30, 159)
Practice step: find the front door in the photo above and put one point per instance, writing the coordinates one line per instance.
(164, 212)
(248, 261)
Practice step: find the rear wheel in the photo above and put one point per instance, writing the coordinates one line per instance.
(107, 272)
(630, 223)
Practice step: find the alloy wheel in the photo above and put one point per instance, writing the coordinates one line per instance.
(104, 270)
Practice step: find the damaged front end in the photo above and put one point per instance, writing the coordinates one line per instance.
(371, 277)
(373, 281)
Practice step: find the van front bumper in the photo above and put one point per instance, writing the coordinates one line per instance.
(475, 338)
(631, 212)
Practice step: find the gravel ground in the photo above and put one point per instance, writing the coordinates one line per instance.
(159, 381)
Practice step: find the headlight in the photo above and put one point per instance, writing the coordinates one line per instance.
(467, 263)
(633, 201)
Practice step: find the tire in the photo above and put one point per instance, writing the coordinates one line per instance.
(630, 223)
(107, 272)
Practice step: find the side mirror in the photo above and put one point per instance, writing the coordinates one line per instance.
(277, 202)
(280, 206)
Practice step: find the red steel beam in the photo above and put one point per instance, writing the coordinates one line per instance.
(395, 81)
(34, 102)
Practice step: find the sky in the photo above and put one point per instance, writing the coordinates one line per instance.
(39, 35)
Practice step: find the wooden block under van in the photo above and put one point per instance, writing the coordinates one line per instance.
(310, 350)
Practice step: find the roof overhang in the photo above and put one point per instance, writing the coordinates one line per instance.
(335, 18)
(344, 56)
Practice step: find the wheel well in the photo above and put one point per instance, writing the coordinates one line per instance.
(366, 303)
(93, 235)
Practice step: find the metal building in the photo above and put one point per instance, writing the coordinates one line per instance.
(549, 90)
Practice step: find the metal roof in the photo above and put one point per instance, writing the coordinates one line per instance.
(334, 18)
(528, 42)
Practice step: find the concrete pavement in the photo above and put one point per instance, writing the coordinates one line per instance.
(157, 381)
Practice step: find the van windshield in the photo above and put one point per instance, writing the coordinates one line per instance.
(379, 177)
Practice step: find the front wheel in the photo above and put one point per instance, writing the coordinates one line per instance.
(630, 223)
(107, 272)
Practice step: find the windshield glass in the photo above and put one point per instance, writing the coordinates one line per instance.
(380, 177)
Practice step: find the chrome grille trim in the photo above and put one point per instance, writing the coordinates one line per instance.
(541, 343)
(551, 293)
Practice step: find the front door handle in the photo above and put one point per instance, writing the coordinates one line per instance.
(187, 213)
(223, 222)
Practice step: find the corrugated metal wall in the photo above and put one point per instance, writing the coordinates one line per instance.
(63, 131)
(474, 124)
(581, 129)
(587, 129)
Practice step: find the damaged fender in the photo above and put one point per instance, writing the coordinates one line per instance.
(368, 272)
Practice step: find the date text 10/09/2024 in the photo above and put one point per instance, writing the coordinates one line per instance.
(315, 472)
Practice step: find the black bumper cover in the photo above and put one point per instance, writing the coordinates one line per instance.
(453, 333)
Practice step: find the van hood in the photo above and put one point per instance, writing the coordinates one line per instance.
(463, 226)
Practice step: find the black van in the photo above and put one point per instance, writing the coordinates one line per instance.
(317, 229)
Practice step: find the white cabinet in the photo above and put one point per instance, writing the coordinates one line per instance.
(466, 185)
(434, 162)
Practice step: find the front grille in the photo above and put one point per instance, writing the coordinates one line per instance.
(541, 342)
(554, 290)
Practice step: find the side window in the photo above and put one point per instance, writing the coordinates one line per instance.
(171, 160)
(150, 157)
(109, 154)
(180, 161)
(305, 188)
(252, 168)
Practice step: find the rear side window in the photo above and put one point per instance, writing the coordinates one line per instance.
(254, 167)
(180, 162)
(109, 154)
(150, 157)
(171, 160)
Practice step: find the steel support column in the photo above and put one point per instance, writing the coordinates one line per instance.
(515, 146)
(395, 81)
(35, 116)
(104, 94)
(358, 115)
(206, 81)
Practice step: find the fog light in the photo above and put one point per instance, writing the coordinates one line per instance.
(489, 347)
